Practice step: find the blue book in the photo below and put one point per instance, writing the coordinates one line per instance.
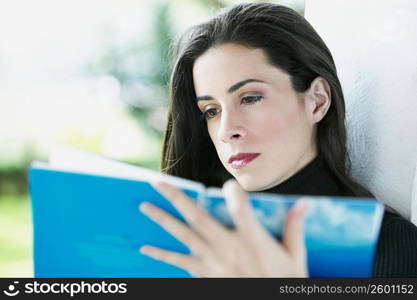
(87, 224)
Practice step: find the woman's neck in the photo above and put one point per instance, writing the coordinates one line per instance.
(313, 179)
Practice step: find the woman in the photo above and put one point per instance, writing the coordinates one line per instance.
(254, 96)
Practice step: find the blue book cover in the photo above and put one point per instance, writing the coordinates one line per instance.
(87, 224)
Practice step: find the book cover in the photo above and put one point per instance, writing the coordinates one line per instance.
(87, 223)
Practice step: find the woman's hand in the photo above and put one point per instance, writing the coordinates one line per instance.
(246, 251)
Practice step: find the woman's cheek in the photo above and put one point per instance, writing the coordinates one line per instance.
(219, 146)
(271, 127)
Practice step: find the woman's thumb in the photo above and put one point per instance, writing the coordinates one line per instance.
(293, 237)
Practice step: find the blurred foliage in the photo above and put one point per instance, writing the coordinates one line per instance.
(141, 67)
(16, 240)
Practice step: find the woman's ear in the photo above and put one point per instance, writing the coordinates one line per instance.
(318, 99)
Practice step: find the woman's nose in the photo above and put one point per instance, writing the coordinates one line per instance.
(231, 127)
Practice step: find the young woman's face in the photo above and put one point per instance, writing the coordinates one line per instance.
(259, 125)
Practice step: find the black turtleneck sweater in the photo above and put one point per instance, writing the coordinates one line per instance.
(396, 254)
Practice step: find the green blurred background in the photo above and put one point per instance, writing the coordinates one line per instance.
(85, 73)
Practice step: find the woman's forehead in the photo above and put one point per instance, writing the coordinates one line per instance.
(226, 65)
(230, 55)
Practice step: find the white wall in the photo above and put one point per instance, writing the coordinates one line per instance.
(374, 44)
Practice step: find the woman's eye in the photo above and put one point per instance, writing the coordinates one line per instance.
(210, 113)
(251, 99)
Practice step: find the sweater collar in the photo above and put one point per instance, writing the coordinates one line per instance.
(313, 179)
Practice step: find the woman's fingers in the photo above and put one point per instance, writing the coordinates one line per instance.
(241, 211)
(293, 237)
(186, 262)
(199, 219)
(177, 228)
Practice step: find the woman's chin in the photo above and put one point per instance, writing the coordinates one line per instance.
(249, 183)
(255, 182)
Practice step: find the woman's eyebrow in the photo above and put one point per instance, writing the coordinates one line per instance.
(232, 89)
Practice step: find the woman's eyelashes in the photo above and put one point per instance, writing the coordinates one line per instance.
(251, 99)
(212, 112)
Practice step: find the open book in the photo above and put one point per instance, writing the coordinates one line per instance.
(87, 223)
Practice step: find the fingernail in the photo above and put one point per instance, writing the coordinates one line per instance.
(232, 204)
(160, 185)
(301, 206)
(230, 198)
(144, 250)
(155, 183)
(144, 207)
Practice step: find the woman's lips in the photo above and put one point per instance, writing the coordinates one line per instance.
(242, 159)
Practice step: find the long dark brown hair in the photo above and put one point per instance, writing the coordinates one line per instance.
(291, 44)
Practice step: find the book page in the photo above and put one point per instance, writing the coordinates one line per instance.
(75, 160)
